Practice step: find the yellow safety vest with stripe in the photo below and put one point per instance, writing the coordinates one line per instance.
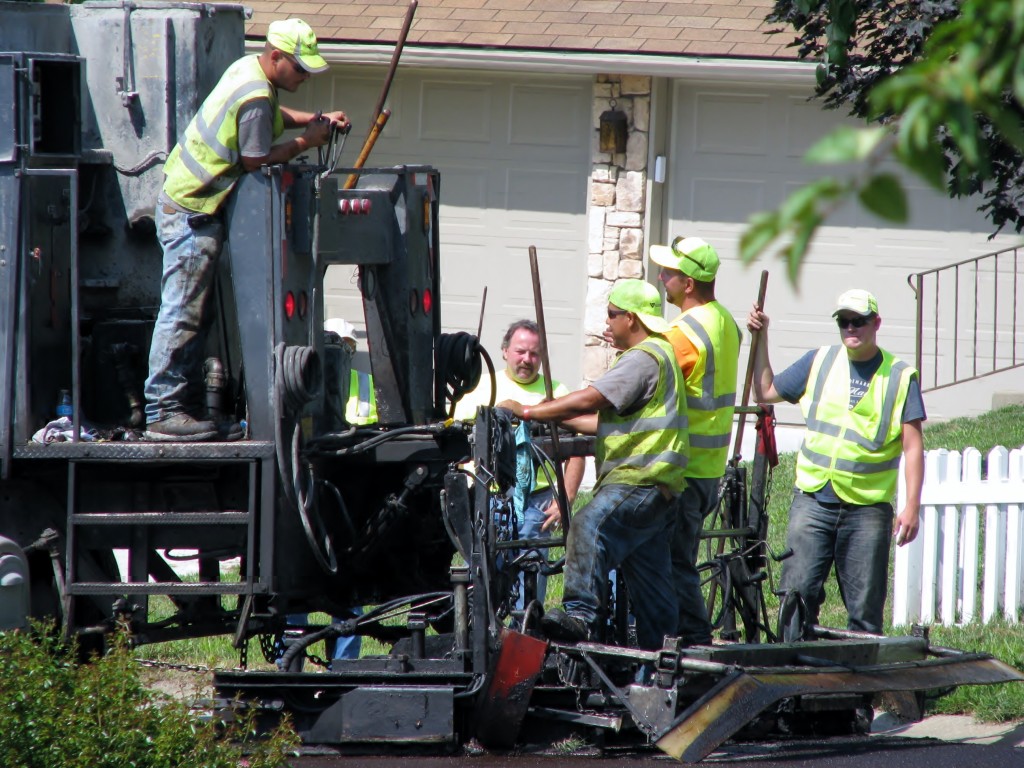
(361, 407)
(710, 386)
(204, 166)
(858, 450)
(648, 447)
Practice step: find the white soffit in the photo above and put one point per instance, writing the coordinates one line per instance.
(507, 60)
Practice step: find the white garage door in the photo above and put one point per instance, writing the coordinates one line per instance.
(514, 156)
(735, 151)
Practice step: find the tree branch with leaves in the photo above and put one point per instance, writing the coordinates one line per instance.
(940, 85)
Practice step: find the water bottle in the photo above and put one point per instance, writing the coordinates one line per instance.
(64, 404)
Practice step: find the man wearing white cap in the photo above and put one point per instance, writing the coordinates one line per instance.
(361, 406)
(706, 339)
(232, 134)
(637, 411)
(863, 410)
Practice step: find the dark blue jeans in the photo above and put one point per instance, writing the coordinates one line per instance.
(691, 507)
(178, 347)
(855, 539)
(530, 528)
(629, 527)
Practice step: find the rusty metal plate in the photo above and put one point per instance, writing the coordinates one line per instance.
(739, 697)
(505, 702)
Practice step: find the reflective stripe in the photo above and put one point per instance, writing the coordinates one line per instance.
(363, 409)
(646, 459)
(847, 465)
(709, 441)
(617, 429)
(711, 403)
(195, 167)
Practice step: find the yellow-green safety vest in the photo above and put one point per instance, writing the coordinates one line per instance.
(858, 450)
(710, 386)
(648, 447)
(204, 166)
(361, 407)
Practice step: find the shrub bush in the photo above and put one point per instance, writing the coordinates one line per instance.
(57, 713)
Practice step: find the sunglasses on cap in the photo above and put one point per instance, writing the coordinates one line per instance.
(853, 322)
(677, 252)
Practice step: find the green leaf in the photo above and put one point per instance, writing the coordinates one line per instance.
(797, 249)
(845, 145)
(884, 196)
(762, 229)
(929, 163)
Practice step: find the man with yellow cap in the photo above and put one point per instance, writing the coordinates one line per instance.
(706, 339)
(637, 410)
(232, 134)
(863, 410)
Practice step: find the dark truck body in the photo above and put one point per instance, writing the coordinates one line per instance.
(319, 515)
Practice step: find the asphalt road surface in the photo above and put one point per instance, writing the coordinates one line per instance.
(844, 752)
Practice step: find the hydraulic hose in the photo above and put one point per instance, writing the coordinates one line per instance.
(457, 362)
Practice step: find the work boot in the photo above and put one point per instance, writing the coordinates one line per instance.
(559, 625)
(180, 428)
(229, 430)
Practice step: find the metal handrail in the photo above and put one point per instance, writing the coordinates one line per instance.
(975, 315)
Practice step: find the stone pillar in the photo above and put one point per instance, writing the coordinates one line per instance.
(618, 205)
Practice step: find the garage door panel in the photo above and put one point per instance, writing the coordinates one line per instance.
(805, 124)
(455, 111)
(465, 192)
(737, 125)
(546, 116)
(718, 199)
(548, 194)
(357, 96)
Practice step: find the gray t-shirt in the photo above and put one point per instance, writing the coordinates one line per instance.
(255, 128)
(631, 382)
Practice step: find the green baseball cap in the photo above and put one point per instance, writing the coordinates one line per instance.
(295, 37)
(690, 255)
(858, 301)
(643, 300)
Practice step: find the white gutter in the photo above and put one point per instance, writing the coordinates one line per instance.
(693, 68)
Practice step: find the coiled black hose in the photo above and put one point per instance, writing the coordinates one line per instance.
(457, 365)
(297, 376)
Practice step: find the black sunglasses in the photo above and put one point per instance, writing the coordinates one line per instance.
(853, 322)
(613, 313)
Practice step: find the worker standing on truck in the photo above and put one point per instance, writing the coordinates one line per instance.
(232, 134)
(706, 339)
(863, 410)
(522, 381)
(640, 424)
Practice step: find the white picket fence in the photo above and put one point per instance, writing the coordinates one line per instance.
(971, 542)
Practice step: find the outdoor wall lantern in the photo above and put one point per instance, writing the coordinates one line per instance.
(614, 130)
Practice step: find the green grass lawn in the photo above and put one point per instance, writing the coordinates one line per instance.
(994, 703)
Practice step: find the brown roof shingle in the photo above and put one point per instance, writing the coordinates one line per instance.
(733, 28)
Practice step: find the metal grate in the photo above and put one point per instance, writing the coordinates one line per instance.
(967, 317)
